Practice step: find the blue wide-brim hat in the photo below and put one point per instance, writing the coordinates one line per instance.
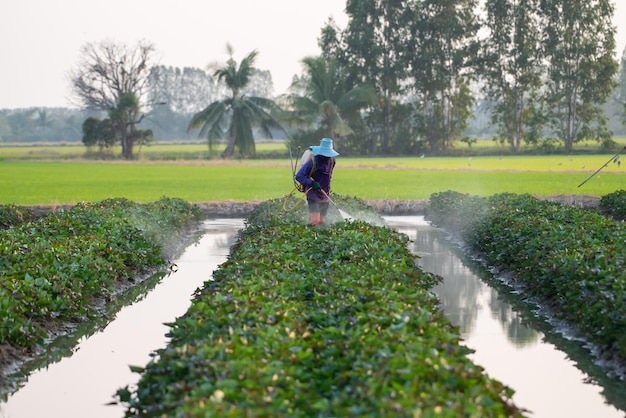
(325, 148)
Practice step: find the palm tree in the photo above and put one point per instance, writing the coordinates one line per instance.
(235, 116)
(323, 98)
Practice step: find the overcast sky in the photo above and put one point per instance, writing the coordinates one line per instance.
(40, 39)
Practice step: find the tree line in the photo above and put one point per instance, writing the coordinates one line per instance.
(403, 77)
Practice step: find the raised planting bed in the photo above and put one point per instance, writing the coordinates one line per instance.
(301, 322)
(62, 267)
(567, 259)
(614, 205)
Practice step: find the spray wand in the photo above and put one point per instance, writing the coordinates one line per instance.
(614, 159)
(343, 214)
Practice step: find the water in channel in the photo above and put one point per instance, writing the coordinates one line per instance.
(552, 377)
(82, 384)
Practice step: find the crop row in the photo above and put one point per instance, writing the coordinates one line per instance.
(568, 258)
(303, 322)
(52, 268)
(614, 204)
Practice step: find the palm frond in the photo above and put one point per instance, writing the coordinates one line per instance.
(211, 121)
(241, 129)
(357, 98)
(256, 108)
(240, 111)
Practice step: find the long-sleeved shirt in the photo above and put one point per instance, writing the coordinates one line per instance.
(322, 173)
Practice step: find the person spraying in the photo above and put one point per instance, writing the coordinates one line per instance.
(315, 176)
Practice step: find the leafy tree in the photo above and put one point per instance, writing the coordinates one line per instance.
(330, 41)
(579, 46)
(114, 78)
(374, 53)
(234, 116)
(20, 123)
(182, 90)
(100, 133)
(442, 67)
(511, 66)
(4, 126)
(43, 119)
(324, 100)
(621, 92)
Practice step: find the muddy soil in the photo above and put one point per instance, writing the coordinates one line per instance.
(231, 209)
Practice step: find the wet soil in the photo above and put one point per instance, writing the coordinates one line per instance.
(233, 209)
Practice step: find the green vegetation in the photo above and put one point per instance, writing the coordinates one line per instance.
(113, 77)
(307, 322)
(235, 116)
(14, 215)
(29, 183)
(570, 259)
(52, 268)
(614, 204)
(159, 152)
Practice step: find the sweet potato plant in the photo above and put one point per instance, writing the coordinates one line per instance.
(14, 215)
(53, 267)
(301, 322)
(614, 204)
(571, 259)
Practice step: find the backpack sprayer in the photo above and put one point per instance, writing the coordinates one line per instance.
(297, 186)
(614, 159)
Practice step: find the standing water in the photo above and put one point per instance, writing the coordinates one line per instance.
(510, 342)
(552, 376)
(82, 385)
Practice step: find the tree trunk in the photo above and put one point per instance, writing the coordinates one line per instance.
(129, 149)
(230, 147)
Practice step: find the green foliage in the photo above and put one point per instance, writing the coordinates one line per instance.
(14, 215)
(53, 267)
(328, 103)
(112, 77)
(444, 34)
(511, 68)
(306, 322)
(614, 204)
(416, 178)
(570, 258)
(234, 117)
(100, 133)
(581, 67)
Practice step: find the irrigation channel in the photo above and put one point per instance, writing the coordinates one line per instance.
(552, 376)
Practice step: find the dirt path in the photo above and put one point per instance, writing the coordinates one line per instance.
(232, 209)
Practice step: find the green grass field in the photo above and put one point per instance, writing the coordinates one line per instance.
(28, 182)
(200, 150)
(196, 151)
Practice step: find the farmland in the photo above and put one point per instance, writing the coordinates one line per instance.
(59, 182)
(52, 181)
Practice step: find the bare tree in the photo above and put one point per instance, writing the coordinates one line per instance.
(113, 77)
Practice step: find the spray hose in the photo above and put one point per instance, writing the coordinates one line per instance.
(300, 200)
(288, 197)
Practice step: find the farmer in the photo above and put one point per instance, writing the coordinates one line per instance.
(315, 175)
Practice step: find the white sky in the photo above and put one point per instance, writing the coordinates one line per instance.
(40, 39)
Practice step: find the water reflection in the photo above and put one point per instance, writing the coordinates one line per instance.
(82, 385)
(510, 342)
(462, 296)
